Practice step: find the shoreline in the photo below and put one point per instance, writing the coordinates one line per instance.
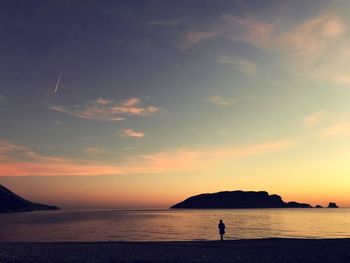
(244, 250)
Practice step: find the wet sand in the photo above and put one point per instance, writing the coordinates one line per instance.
(260, 250)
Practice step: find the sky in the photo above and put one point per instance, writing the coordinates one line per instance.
(128, 104)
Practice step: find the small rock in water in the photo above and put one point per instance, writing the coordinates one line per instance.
(332, 205)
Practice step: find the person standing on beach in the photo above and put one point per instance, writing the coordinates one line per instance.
(221, 227)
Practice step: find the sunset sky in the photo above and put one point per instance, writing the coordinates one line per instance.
(160, 100)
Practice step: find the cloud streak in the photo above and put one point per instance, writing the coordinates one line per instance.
(310, 39)
(314, 119)
(108, 110)
(246, 66)
(254, 150)
(94, 150)
(240, 29)
(321, 49)
(17, 160)
(317, 48)
(336, 130)
(247, 30)
(218, 100)
(165, 23)
(133, 134)
(195, 37)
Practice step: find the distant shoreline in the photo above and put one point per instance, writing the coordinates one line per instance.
(168, 209)
(247, 250)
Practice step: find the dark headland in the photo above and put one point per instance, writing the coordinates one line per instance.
(10, 202)
(238, 199)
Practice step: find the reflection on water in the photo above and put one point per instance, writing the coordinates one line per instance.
(160, 225)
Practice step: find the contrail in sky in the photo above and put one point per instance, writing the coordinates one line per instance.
(58, 82)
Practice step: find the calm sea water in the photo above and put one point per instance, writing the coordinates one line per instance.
(161, 225)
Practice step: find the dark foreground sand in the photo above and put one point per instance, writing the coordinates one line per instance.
(263, 250)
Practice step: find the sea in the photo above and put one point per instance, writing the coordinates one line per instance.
(173, 225)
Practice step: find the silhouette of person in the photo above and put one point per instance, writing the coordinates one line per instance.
(221, 227)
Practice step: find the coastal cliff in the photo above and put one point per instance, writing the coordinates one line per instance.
(10, 202)
(237, 199)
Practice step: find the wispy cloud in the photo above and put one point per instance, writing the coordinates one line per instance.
(165, 23)
(218, 100)
(247, 29)
(94, 150)
(254, 150)
(302, 46)
(336, 130)
(129, 148)
(58, 122)
(206, 159)
(240, 29)
(246, 66)
(335, 67)
(132, 133)
(108, 110)
(319, 49)
(7, 146)
(310, 39)
(315, 118)
(340, 77)
(195, 37)
(17, 160)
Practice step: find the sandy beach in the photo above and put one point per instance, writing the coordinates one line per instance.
(260, 250)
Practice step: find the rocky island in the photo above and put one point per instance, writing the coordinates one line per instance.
(10, 202)
(332, 205)
(237, 199)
